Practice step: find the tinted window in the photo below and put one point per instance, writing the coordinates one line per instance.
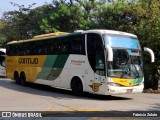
(60, 45)
(96, 53)
(77, 44)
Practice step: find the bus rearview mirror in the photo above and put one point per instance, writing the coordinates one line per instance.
(110, 53)
(151, 53)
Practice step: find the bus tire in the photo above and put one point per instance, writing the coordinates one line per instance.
(16, 78)
(23, 79)
(77, 86)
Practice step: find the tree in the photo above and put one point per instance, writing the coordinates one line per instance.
(2, 36)
(68, 16)
(115, 16)
(147, 28)
(20, 23)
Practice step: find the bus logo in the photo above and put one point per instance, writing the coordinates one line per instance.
(95, 86)
(28, 61)
(77, 62)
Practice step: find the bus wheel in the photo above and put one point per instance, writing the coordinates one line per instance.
(23, 79)
(76, 86)
(16, 78)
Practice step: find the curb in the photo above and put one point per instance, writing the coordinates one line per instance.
(152, 91)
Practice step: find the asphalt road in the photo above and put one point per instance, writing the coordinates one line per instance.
(36, 97)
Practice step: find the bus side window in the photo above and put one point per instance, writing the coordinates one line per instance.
(57, 46)
(29, 48)
(64, 45)
(13, 50)
(8, 50)
(51, 47)
(77, 44)
(64, 48)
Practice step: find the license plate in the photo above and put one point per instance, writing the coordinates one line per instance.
(129, 91)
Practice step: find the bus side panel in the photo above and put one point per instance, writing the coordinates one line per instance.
(75, 66)
(30, 65)
(94, 83)
(11, 66)
(35, 67)
(78, 66)
(51, 70)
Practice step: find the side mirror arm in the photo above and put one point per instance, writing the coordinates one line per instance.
(151, 53)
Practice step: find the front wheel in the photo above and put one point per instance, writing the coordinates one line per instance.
(76, 86)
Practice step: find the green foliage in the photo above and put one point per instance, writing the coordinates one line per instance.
(66, 16)
(147, 27)
(20, 24)
(115, 16)
(2, 36)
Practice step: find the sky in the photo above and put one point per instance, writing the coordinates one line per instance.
(5, 5)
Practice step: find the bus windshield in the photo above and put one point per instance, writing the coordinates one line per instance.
(121, 41)
(127, 62)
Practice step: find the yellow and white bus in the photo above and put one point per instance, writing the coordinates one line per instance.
(96, 61)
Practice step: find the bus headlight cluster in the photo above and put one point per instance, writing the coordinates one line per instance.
(142, 83)
(113, 84)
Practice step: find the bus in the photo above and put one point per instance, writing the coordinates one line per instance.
(101, 62)
(2, 62)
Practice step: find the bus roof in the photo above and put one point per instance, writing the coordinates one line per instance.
(40, 37)
(60, 34)
(50, 35)
(100, 31)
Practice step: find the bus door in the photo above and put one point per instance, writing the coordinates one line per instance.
(95, 77)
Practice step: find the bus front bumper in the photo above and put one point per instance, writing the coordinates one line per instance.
(120, 90)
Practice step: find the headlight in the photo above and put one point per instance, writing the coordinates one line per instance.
(113, 84)
(142, 83)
